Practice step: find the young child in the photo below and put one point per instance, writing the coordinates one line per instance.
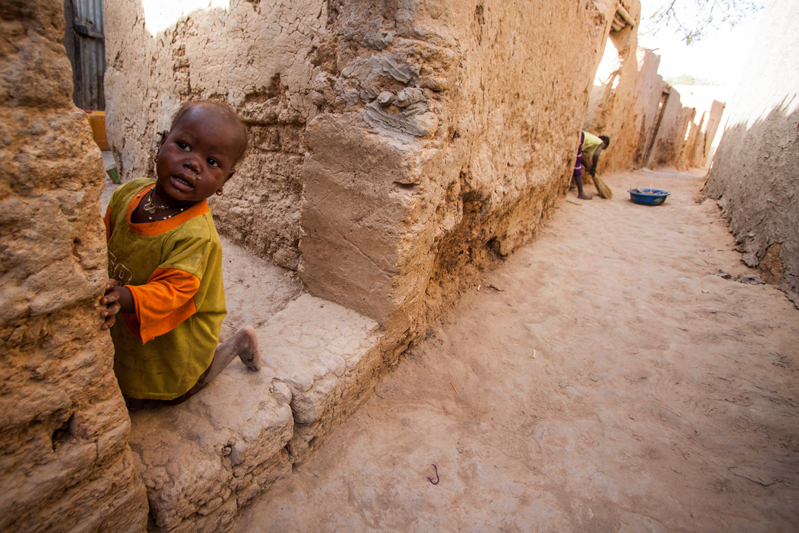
(165, 263)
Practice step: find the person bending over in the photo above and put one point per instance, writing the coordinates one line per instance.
(592, 146)
(165, 263)
(578, 171)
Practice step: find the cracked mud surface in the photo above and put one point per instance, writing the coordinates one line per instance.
(610, 380)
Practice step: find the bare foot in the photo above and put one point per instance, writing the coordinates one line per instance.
(584, 197)
(245, 343)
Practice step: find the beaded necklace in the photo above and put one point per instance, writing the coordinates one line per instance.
(151, 208)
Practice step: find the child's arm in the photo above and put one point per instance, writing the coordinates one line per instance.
(166, 300)
(159, 305)
(595, 161)
(120, 300)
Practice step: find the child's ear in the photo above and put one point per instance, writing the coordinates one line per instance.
(219, 192)
(164, 134)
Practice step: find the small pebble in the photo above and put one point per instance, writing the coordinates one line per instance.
(385, 98)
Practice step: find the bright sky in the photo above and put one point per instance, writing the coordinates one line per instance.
(159, 15)
(719, 57)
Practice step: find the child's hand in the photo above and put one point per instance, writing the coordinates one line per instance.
(111, 297)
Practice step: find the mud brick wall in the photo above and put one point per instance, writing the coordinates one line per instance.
(261, 57)
(614, 106)
(446, 131)
(650, 90)
(65, 463)
(625, 107)
(670, 135)
(709, 126)
(397, 146)
(754, 172)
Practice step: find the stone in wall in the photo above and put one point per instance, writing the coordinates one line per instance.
(260, 57)
(755, 169)
(66, 465)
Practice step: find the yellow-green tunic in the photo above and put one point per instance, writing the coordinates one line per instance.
(173, 269)
(590, 144)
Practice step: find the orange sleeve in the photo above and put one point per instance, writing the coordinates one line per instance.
(166, 300)
(107, 220)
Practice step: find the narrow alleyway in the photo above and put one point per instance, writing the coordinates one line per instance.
(605, 378)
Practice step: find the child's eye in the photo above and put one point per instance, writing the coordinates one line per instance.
(183, 146)
(213, 162)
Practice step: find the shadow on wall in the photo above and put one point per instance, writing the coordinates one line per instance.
(753, 178)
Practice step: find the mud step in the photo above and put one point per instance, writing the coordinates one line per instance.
(254, 289)
(201, 461)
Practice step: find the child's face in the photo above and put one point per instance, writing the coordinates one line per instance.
(197, 156)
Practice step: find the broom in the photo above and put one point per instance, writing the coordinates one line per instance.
(602, 187)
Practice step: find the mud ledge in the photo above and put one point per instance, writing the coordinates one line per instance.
(203, 460)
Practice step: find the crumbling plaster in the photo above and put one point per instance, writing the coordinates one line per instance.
(66, 464)
(755, 169)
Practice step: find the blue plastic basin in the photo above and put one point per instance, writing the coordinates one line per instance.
(648, 196)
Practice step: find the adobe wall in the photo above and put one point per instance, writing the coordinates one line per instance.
(66, 464)
(437, 134)
(460, 129)
(615, 108)
(755, 169)
(670, 136)
(625, 107)
(703, 152)
(698, 147)
(262, 58)
(692, 138)
(650, 89)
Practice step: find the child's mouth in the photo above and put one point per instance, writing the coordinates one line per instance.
(182, 184)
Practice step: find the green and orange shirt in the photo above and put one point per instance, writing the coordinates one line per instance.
(173, 269)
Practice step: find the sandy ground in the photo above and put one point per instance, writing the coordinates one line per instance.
(604, 378)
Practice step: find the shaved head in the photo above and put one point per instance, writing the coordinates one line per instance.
(223, 111)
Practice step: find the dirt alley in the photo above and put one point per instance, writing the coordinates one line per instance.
(604, 378)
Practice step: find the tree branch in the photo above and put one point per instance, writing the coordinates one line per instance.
(693, 18)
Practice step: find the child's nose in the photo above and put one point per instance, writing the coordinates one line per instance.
(192, 165)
